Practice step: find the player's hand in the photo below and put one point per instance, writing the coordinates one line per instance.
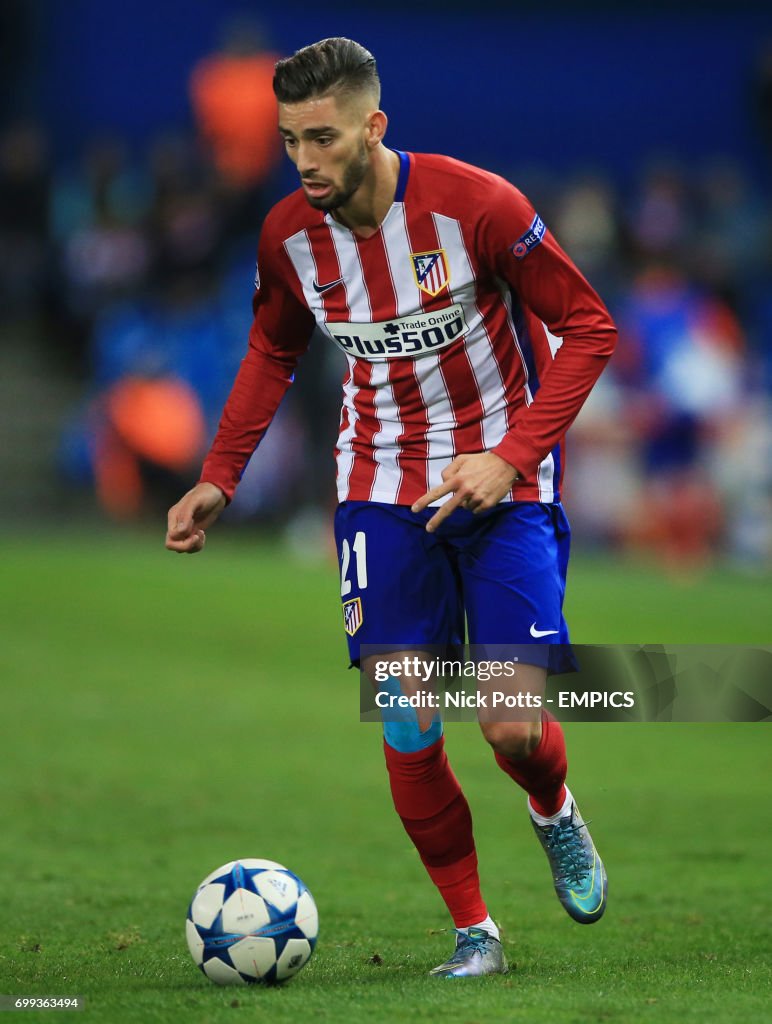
(192, 516)
(477, 482)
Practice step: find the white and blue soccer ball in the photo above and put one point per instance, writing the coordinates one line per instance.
(251, 921)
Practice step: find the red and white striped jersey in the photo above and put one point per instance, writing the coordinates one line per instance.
(465, 327)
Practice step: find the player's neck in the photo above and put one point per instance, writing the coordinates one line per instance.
(367, 208)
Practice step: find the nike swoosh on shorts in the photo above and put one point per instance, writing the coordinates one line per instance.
(536, 633)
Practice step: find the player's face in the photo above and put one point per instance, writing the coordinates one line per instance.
(326, 139)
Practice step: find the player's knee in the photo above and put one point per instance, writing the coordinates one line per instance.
(407, 737)
(514, 740)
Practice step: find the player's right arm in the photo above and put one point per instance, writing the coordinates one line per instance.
(281, 329)
(193, 514)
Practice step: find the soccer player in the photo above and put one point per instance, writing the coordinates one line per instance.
(472, 341)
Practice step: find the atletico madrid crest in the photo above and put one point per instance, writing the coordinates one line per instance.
(352, 615)
(431, 271)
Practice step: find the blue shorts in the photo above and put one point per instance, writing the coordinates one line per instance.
(503, 570)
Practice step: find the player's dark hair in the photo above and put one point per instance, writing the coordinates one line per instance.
(335, 65)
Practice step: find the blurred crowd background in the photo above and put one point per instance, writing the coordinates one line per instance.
(139, 154)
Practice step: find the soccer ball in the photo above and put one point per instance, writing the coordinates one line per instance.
(251, 921)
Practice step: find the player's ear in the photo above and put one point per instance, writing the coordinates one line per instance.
(375, 128)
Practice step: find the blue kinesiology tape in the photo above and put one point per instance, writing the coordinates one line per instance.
(401, 731)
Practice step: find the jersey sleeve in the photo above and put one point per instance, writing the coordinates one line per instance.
(281, 329)
(520, 250)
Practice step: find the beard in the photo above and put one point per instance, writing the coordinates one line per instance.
(353, 176)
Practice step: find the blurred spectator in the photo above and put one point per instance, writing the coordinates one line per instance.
(148, 435)
(731, 235)
(603, 484)
(682, 367)
(187, 222)
(161, 369)
(158, 370)
(234, 106)
(99, 209)
(661, 220)
(24, 218)
(104, 186)
(741, 463)
(588, 225)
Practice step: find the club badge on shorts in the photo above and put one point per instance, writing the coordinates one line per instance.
(430, 270)
(352, 615)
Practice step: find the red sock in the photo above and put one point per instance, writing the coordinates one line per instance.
(436, 816)
(543, 773)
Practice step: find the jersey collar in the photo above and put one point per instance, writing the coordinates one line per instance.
(404, 172)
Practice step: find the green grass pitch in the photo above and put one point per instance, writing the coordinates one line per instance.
(162, 715)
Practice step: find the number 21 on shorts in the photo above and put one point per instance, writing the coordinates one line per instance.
(359, 547)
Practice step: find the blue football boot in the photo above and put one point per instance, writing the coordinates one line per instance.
(476, 953)
(577, 870)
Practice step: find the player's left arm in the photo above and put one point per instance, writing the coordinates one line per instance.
(516, 247)
(522, 252)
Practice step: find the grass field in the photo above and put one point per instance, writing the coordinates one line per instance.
(163, 715)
